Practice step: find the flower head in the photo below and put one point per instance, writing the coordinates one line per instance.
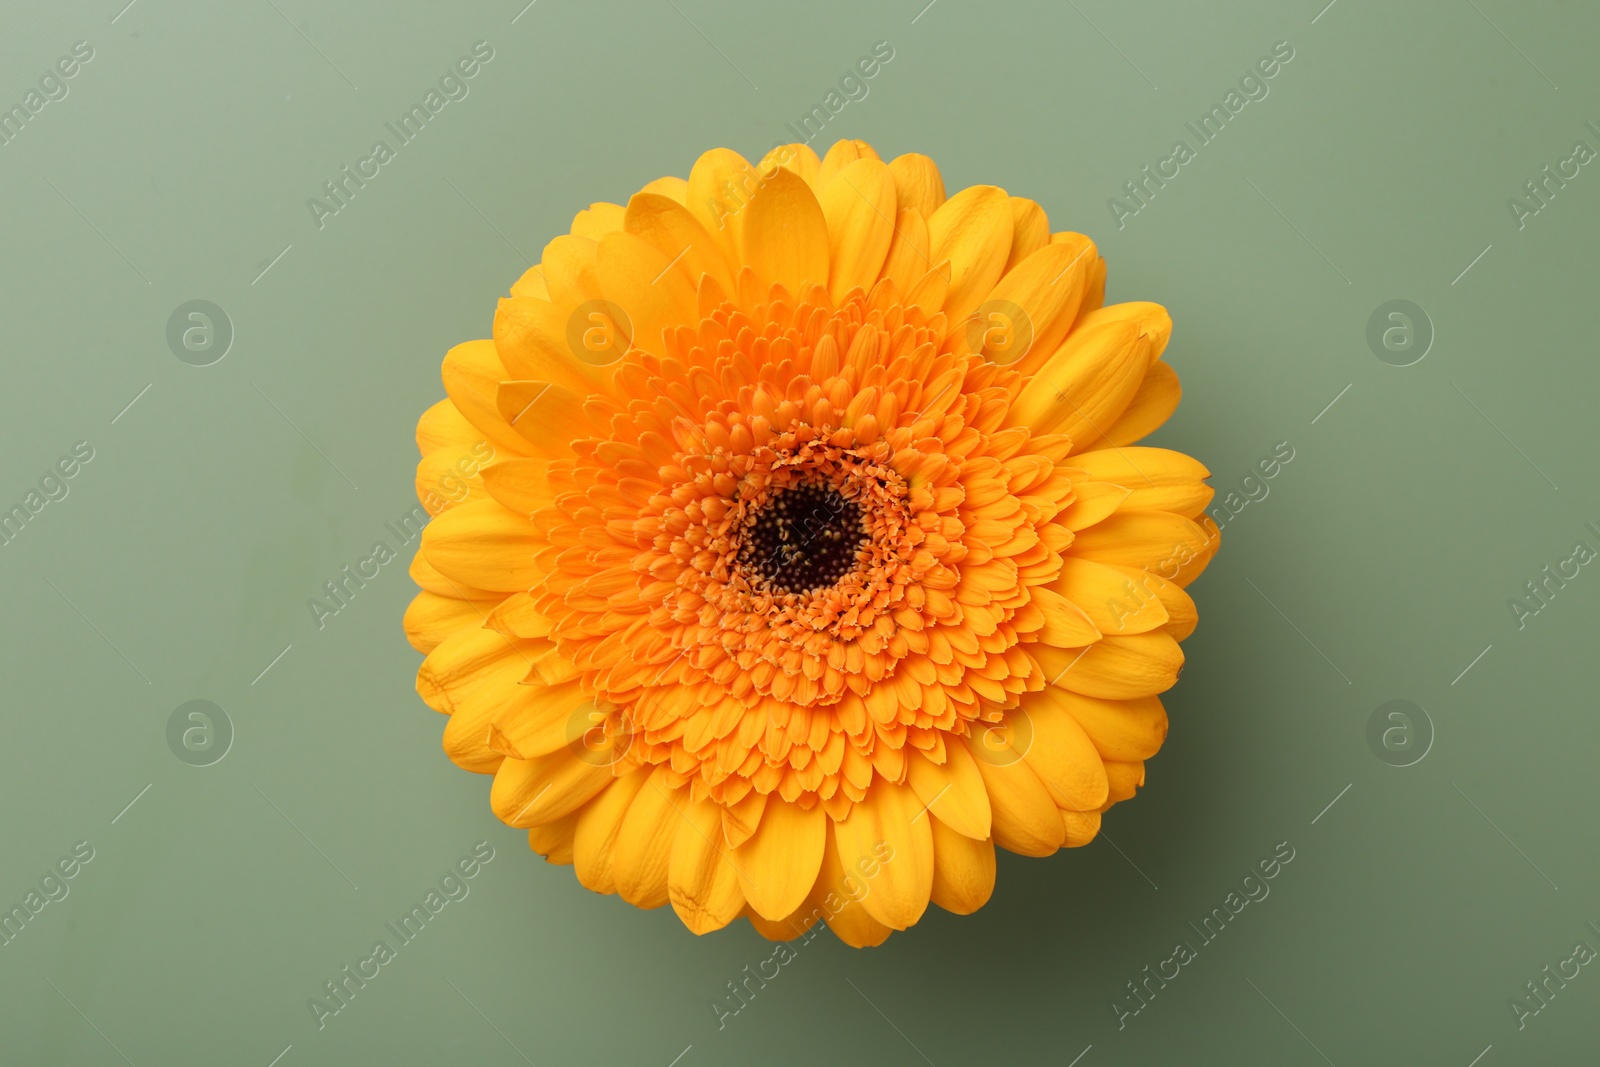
(813, 558)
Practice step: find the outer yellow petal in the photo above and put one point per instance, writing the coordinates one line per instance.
(1157, 541)
(882, 834)
(548, 417)
(1154, 403)
(790, 926)
(431, 618)
(1114, 602)
(781, 859)
(952, 790)
(1159, 479)
(535, 340)
(1079, 828)
(1030, 230)
(1125, 780)
(433, 580)
(531, 792)
(837, 900)
(594, 840)
(1046, 288)
(800, 158)
(472, 374)
(1063, 757)
(520, 484)
(720, 186)
(644, 846)
(918, 183)
(859, 207)
(1117, 668)
(553, 840)
(785, 237)
(1026, 820)
(669, 187)
(634, 274)
(963, 870)
(442, 425)
(703, 883)
(568, 269)
(678, 235)
(973, 231)
(1087, 383)
(1122, 730)
(597, 220)
(1065, 623)
(840, 156)
(908, 259)
(485, 545)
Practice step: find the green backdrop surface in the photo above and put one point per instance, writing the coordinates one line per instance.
(1387, 159)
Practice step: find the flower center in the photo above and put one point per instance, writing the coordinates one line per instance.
(804, 538)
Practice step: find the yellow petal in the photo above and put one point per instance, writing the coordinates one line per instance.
(568, 269)
(434, 580)
(443, 425)
(597, 220)
(535, 340)
(787, 928)
(1087, 383)
(973, 231)
(1117, 668)
(546, 416)
(917, 183)
(785, 237)
(520, 484)
(531, 284)
(797, 157)
(859, 207)
(450, 476)
(633, 273)
(1122, 730)
(1154, 402)
(1046, 289)
(1152, 320)
(1065, 623)
(1115, 601)
(1079, 828)
(669, 187)
(544, 718)
(1063, 757)
(720, 186)
(963, 870)
(702, 881)
(553, 840)
(1030, 230)
(840, 156)
(1159, 479)
(880, 844)
(472, 373)
(484, 545)
(1126, 778)
(781, 859)
(907, 260)
(1157, 541)
(431, 618)
(678, 235)
(1092, 502)
(1026, 820)
(952, 790)
(837, 898)
(644, 844)
(530, 792)
(595, 839)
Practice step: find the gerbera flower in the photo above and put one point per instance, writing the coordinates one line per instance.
(813, 560)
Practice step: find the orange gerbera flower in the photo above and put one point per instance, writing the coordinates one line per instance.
(799, 556)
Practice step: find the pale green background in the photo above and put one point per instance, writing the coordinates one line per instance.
(1393, 540)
